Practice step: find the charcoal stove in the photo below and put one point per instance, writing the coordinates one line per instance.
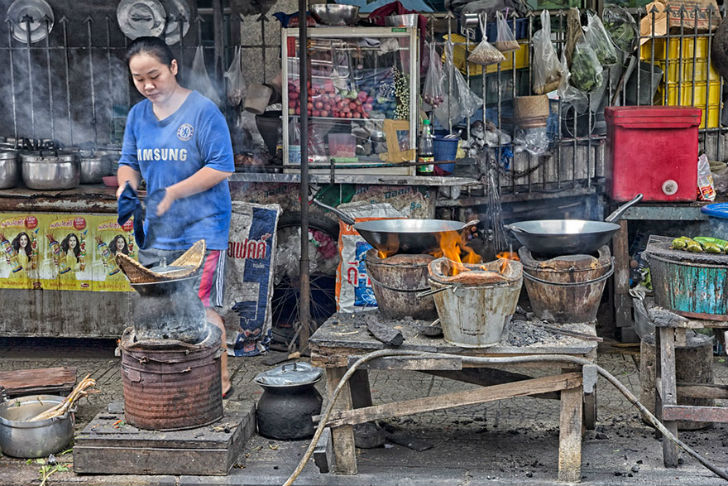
(566, 288)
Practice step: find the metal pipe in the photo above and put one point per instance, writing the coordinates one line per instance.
(12, 81)
(27, 19)
(108, 73)
(64, 24)
(304, 308)
(50, 78)
(89, 21)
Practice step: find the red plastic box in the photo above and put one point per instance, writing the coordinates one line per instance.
(652, 150)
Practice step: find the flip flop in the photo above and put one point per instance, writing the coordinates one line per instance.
(228, 393)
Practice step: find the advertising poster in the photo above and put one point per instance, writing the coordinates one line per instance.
(67, 251)
(109, 239)
(20, 240)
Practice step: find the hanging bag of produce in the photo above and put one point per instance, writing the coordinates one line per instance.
(199, 80)
(546, 67)
(599, 40)
(484, 53)
(586, 70)
(235, 80)
(433, 92)
(567, 93)
(505, 40)
(458, 99)
(621, 27)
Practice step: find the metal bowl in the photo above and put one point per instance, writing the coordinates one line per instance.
(21, 438)
(332, 14)
(93, 169)
(50, 171)
(9, 169)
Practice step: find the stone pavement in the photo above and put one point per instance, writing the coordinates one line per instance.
(501, 443)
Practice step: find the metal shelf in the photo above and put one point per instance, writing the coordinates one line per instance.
(392, 180)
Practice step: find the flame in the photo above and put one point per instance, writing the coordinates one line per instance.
(451, 247)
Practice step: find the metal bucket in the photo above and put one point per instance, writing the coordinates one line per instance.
(696, 290)
(395, 286)
(568, 288)
(171, 386)
(21, 438)
(473, 316)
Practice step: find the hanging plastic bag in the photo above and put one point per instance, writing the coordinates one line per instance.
(569, 94)
(235, 80)
(586, 70)
(433, 92)
(505, 41)
(547, 72)
(459, 101)
(199, 79)
(484, 53)
(599, 40)
(621, 27)
(706, 189)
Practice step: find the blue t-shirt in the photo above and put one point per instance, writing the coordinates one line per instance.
(168, 151)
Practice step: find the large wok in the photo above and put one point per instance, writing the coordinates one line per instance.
(555, 237)
(397, 235)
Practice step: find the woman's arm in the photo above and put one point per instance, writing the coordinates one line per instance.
(200, 181)
(127, 174)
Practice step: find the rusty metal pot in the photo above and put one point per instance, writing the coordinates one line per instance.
(285, 410)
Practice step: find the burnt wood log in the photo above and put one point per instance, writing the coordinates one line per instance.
(385, 334)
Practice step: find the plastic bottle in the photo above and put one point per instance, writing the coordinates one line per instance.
(425, 151)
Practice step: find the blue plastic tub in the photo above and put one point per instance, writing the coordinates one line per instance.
(445, 150)
(718, 219)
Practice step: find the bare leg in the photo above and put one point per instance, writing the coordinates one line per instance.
(214, 318)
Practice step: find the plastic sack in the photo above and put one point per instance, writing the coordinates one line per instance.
(433, 92)
(596, 36)
(706, 189)
(505, 41)
(199, 79)
(621, 27)
(484, 53)
(568, 93)
(547, 72)
(235, 80)
(586, 70)
(459, 101)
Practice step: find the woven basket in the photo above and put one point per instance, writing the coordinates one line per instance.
(137, 273)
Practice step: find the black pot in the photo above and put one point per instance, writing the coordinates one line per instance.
(289, 402)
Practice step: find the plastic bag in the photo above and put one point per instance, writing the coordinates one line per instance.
(433, 92)
(458, 101)
(586, 70)
(621, 27)
(599, 40)
(706, 190)
(547, 72)
(235, 80)
(505, 41)
(484, 53)
(199, 79)
(568, 93)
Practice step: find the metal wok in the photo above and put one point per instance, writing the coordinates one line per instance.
(555, 237)
(398, 235)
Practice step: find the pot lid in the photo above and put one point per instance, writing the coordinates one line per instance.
(290, 374)
(48, 156)
(41, 15)
(8, 154)
(139, 18)
(177, 10)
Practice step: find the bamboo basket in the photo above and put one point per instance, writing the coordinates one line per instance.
(189, 262)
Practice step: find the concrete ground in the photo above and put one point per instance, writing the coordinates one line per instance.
(502, 443)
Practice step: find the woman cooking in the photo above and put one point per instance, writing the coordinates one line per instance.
(178, 141)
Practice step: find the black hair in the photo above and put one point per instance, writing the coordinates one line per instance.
(112, 245)
(64, 244)
(16, 244)
(153, 46)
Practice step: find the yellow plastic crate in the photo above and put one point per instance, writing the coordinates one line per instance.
(677, 71)
(460, 58)
(698, 46)
(703, 91)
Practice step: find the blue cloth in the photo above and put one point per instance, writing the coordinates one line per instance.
(168, 151)
(129, 205)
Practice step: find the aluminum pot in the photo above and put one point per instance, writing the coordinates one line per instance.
(9, 170)
(51, 170)
(94, 168)
(21, 438)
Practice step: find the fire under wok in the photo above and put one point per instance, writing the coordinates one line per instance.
(556, 237)
(397, 235)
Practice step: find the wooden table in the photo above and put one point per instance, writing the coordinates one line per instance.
(342, 339)
(670, 332)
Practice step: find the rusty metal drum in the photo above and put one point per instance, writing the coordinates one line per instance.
(169, 384)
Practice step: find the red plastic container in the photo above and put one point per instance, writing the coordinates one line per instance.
(652, 150)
